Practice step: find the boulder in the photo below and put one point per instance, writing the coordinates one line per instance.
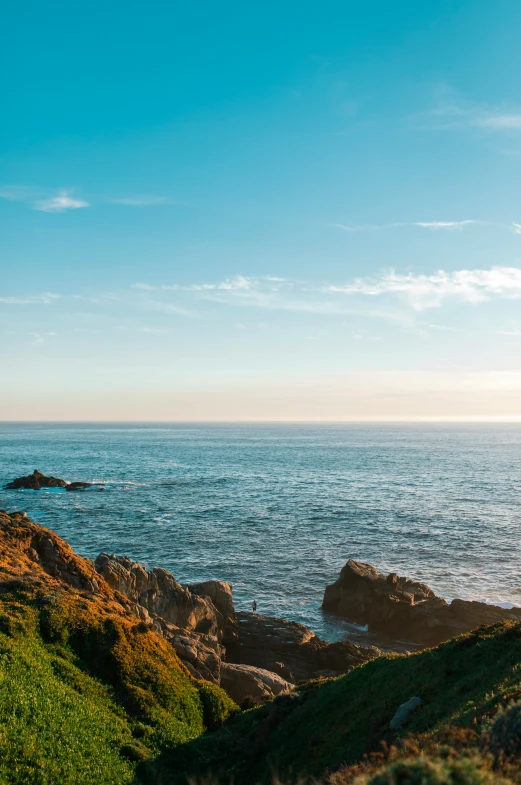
(292, 650)
(404, 611)
(246, 681)
(35, 482)
(402, 714)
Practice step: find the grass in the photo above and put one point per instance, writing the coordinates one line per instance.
(333, 723)
(87, 696)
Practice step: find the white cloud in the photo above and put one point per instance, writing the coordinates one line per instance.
(429, 291)
(46, 298)
(238, 282)
(443, 224)
(58, 204)
(418, 291)
(434, 225)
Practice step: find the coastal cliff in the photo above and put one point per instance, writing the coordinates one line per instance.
(113, 674)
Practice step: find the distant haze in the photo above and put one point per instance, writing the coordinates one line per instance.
(358, 397)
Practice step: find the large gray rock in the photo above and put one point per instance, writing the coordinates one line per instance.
(246, 681)
(403, 610)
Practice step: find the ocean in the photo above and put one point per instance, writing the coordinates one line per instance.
(277, 510)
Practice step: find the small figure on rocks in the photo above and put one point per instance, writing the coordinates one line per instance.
(254, 606)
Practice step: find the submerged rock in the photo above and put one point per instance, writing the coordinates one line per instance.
(405, 610)
(80, 486)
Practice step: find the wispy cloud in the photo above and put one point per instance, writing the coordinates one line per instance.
(451, 111)
(41, 199)
(45, 298)
(441, 224)
(430, 291)
(432, 225)
(40, 338)
(59, 204)
(418, 291)
(155, 305)
(235, 283)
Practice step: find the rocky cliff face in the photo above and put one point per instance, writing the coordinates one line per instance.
(403, 610)
(257, 657)
(191, 608)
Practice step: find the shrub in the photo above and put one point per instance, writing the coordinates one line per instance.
(217, 706)
(428, 771)
(505, 732)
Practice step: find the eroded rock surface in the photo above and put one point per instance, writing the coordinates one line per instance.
(405, 610)
(292, 650)
(158, 591)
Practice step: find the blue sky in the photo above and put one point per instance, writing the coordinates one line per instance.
(261, 210)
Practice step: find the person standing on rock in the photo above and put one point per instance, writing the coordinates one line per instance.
(254, 606)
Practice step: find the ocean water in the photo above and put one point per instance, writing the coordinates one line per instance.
(277, 510)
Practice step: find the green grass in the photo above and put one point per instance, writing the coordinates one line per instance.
(90, 697)
(334, 722)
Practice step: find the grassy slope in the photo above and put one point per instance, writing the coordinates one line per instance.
(461, 683)
(88, 694)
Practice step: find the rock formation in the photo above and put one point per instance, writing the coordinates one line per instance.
(158, 591)
(258, 657)
(292, 650)
(36, 481)
(403, 610)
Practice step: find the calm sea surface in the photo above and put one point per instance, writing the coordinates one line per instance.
(277, 510)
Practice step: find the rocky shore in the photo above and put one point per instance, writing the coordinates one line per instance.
(250, 656)
(405, 612)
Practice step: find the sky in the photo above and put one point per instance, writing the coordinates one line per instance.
(261, 210)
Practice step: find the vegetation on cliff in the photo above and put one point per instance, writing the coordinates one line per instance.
(332, 731)
(91, 694)
(88, 693)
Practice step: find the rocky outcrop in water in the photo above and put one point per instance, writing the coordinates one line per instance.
(404, 610)
(36, 481)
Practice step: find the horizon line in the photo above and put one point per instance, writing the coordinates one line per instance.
(505, 419)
